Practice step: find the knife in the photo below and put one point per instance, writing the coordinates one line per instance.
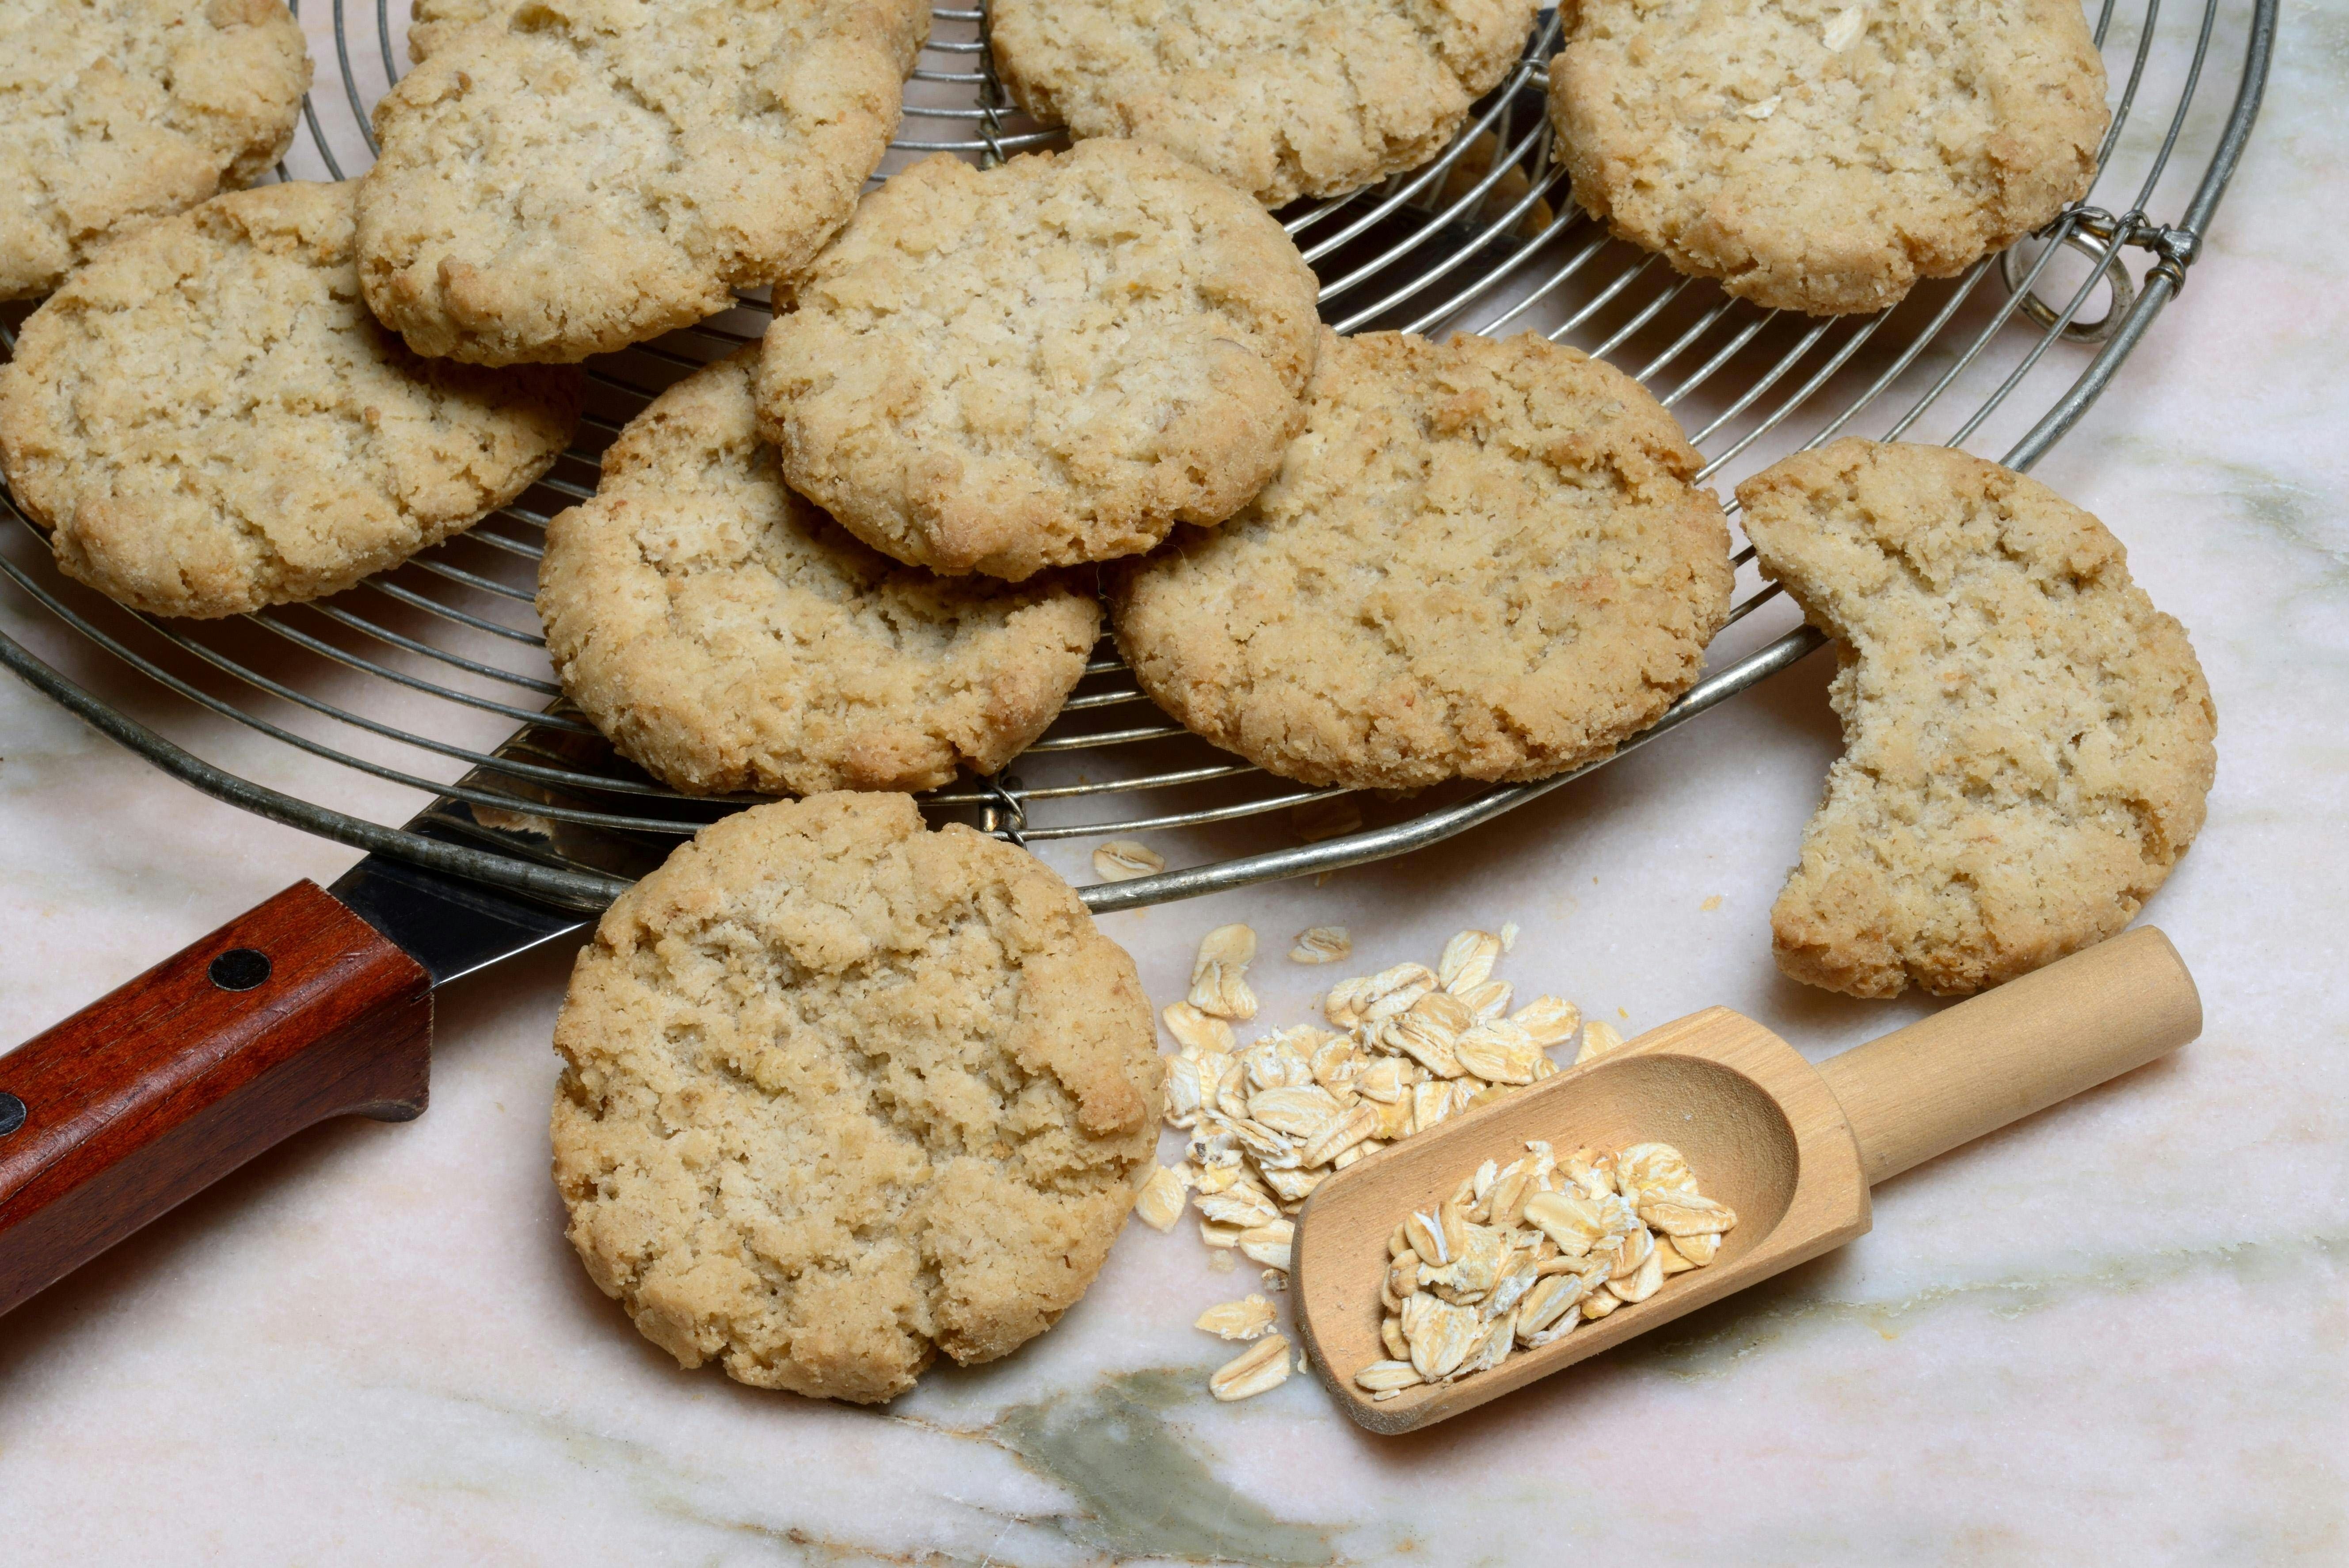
(317, 1003)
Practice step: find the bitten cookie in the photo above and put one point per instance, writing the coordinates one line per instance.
(114, 113)
(1282, 99)
(1481, 559)
(208, 419)
(726, 634)
(2027, 740)
(1046, 363)
(1820, 157)
(568, 176)
(840, 1093)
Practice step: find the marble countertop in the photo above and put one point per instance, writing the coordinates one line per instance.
(2114, 1332)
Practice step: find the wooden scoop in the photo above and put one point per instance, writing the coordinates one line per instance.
(1792, 1147)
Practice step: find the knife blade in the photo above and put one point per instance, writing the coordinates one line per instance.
(454, 926)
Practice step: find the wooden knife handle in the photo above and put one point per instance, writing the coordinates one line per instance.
(292, 1012)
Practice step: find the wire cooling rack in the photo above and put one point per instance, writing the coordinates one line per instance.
(384, 697)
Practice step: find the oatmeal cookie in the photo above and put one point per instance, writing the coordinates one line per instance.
(1282, 99)
(209, 421)
(1481, 560)
(568, 176)
(2027, 740)
(1046, 363)
(726, 634)
(840, 1093)
(116, 112)
(1822, 157)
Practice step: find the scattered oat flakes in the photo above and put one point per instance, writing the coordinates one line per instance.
(1520, 1253)
(1403, 1049)
(1550, 1020)
(1193, 1029)
(1599, 1039)
(1247, 1318)
(1258, 1369)
(1123, 860)
(1219, 983)
(1322, 944)
(1847, 25)
(1160, 1202)
(1329, 817)
(1762, 111)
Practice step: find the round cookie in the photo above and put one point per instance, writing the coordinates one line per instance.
(726, 635)
(2027, 740)
(113, 112)
(1049, 362)
(1481, 560)
(1822, 157)
(561, 180)
(208, 420)
(840, 1093)
(1282, 99)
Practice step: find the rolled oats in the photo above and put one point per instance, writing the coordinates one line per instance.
(1250, 1317)
(1470, 1279)
(1238, 1207)
(1467, 961)
(1498, 1052)
(1194, 1030)
(1219, 983)
(1258, 1369)
(1548, 1020)
(1380, 1376)
(1269, 1243)
(1322, 944)
(1123, 860)
(1519, 1253)
(1487, 1002)
(1160, 1202)
(1599, 1039)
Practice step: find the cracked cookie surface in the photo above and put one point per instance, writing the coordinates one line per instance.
(1822, 157)
(208, 420)
(1282, 99)
(1046, 363)
(841, 1093)
(2027, 740)
(116, 112)
(726, 634)
(1481, 559)
(567, 177)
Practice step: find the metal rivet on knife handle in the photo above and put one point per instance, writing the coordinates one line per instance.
(240, 969)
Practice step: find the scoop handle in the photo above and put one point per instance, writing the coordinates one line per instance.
(1972, 1068)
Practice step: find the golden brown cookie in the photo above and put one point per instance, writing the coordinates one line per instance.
(1282, 99)
(2027, 740)
(568, 176)
(841, 1093)
(1481, 560)
(117, 112)
(1822, 157)
(726, 635)
(1046, 363)
(208, 419)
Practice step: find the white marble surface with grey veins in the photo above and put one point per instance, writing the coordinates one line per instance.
(2113, 1333)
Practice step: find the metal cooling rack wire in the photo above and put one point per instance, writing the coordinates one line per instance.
(1484, 238)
